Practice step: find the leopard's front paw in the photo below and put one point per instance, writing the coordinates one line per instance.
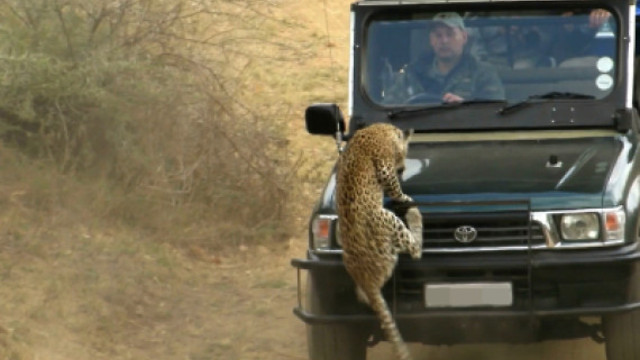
(406, 199)
(415, 251)
(414, 218)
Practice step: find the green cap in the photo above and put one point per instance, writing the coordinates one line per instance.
(450, 19)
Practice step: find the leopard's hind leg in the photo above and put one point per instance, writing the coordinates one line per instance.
(362, 296)
(406, 239)
(402, 239)
(388, 324)
(414, 222)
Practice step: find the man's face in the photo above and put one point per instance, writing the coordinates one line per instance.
(447, 42)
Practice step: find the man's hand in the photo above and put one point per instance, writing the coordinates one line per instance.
(598, 17)
(451, 98)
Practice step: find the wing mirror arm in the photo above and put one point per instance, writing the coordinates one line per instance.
(339, 137)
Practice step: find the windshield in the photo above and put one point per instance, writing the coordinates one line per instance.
(431, 58)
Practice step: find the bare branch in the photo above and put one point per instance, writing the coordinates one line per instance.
(24, 20)
(58, 9)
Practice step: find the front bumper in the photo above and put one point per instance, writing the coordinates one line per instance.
(546, 284)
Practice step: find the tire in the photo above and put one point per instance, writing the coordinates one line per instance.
(333, 341)
(621, 334)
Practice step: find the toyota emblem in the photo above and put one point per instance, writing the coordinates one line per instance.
(465, 234)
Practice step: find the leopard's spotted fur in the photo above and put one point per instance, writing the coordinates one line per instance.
(372, 236)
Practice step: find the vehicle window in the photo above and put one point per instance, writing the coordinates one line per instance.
(453, 57)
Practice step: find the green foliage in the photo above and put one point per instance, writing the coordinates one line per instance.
(145, 92)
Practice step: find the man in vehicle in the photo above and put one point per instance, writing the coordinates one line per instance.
(450, 74)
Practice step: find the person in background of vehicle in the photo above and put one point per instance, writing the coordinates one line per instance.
(538, 46)
(450, 74)
(574, 40)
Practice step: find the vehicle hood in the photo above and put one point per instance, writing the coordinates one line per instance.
(554, 171)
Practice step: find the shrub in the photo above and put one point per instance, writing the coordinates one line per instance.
(144, 93)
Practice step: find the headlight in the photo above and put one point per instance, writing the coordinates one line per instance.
(580, 226)
(321, 230)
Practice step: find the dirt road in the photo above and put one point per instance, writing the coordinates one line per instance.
(582, 350)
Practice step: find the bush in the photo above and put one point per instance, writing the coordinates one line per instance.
(144, 94)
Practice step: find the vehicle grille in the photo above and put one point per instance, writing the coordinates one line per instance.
(496, 229)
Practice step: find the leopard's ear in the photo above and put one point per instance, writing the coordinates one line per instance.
(407, 134)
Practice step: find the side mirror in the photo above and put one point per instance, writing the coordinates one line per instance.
(324, 119)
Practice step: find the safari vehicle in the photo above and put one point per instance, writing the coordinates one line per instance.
(530, 202)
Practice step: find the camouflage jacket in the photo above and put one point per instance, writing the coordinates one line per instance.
(470, 79)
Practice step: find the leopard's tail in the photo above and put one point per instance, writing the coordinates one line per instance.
(388, 324)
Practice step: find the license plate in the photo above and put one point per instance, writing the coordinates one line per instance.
(468, 295)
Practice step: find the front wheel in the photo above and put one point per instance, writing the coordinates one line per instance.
(336, 342)
(332, 341)
(621, 333)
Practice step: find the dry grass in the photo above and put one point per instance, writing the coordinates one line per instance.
(76, 286)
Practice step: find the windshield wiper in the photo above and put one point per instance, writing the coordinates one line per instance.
(547, 96)
(441, 106)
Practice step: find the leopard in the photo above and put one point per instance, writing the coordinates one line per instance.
(371, 236)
